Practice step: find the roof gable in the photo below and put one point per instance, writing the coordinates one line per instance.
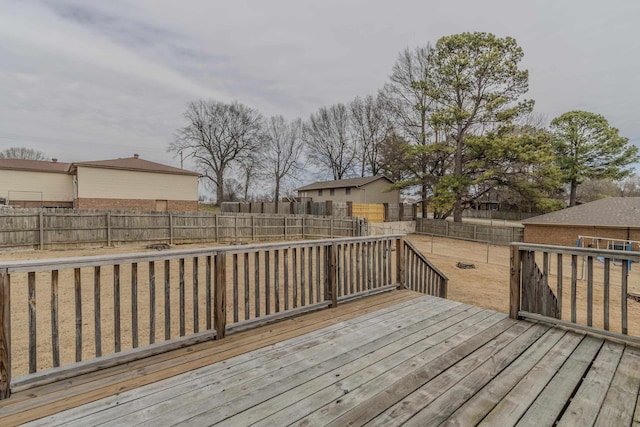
(34, 165)
(611, 212)
(343, 183)
(133, 164)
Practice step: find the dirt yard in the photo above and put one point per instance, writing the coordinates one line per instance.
(486, 285)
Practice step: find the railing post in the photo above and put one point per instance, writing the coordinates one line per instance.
(332, 288)
(220, 295)
(400, 262)
(5, 335)
(515, 282)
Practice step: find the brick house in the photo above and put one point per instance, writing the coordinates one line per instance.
(612, 218)
(35, 183)
(371, 189)
(126, 183)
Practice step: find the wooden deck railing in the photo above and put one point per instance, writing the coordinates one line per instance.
(63, 317)
(591, 289)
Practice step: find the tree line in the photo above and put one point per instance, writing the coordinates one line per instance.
(452, 120)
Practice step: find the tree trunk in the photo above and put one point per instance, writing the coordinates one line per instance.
(423, 197)
(276, 195)
(219, 189)
(457, 207)
(574, 191)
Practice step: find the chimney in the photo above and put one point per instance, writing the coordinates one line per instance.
(54, 160)
(135, 156)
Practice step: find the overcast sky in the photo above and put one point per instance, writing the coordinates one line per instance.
(92, 80)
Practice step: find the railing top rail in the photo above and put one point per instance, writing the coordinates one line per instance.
(594, 252)
(101, 260)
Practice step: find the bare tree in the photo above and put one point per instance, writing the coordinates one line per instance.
(216, 135)
(249, 167)
(23, 153)
(327, 137)
(370, 128)
(282, 149)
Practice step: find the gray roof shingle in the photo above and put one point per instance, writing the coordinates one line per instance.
(611, 212)
(343, 183)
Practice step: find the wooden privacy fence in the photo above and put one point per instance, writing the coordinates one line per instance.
(67, 316)
(498, 235)
(592, 289)
(53, 230)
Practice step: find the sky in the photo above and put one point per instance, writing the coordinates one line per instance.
(93, 80)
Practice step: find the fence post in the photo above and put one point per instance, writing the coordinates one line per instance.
(400, 211)
(328, 208)
(385, 212)
(41, 228)
(332, 288)
(219, 295)
(215, 217)
(446, 228)
(400, 262)
(284, 218)
(170, 228)
(303, 228)
(5, 335)
(349, 209)
(108, 229)
(331, 227)
(515, 283)
(253, 227)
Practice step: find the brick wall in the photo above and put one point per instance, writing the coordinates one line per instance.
(134, 204)
(568, 235)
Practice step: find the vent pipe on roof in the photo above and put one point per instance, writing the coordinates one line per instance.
(135, 156)
(54, 160)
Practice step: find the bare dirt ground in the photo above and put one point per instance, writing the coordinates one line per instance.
(486, 285)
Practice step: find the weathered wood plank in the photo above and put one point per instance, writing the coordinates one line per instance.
(152, 302)
(77, 280)
(618, 406)
(55, 336)
(116, 309)
(549, 404)
(96, 311)
(134, 305)
(167, 300)
(219, 295)
(586, 403)
(182, 297)
(196, 300)
(542, 359)
(31, 304)
(5, 335)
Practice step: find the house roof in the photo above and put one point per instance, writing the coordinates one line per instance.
(133, 164)
(343, 183)
(611, 212)
(34, 165)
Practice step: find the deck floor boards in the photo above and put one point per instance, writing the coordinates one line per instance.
(394, 359)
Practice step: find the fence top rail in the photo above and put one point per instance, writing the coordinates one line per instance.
(569, 250)
(138, 257)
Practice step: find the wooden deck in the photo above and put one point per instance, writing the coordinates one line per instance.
(390, 359)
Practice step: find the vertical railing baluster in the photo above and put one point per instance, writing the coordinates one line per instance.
(220, 295)
(55, 337)
(589, 291)
(267, 283)
(5, 334)
(78, 302)
(276, 278)
(358, 255)
(257, 283)
(207, 290)
(302, 277)
(345, 268)
(352, 285)
(246, 286)
(96, 311)
(559, 282)
(167, 300)
(134, 304)
(196, 312)
(182, 297)
(606, 285)
(623, 296)
(294, 255)
(31, 282)
(285, 254)
(310, 274)
(574, 282)
(152, 302)
(116, 309)
(318, 280)
(235, 289)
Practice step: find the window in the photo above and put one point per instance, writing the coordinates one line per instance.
(319, 192)
(332, 192)
(347, 191)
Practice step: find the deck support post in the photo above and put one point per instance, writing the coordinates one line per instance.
(5, 335)
(515, 282)
(219, 295)
(400, 262)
